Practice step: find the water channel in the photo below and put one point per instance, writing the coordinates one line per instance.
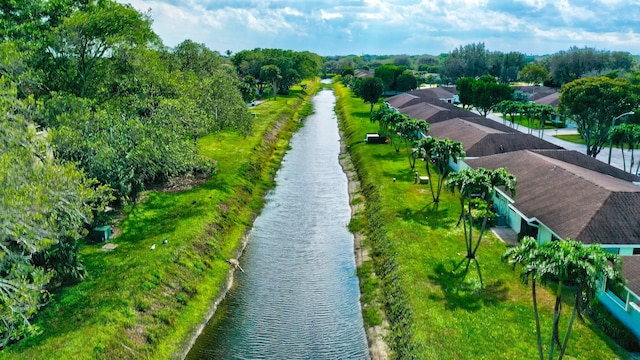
(298, 296)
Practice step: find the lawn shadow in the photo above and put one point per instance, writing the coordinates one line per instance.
(388, 156)
(429, 215)
(463, 288)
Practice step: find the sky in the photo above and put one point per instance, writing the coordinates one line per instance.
(396, 27)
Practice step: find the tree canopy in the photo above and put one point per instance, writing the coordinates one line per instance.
(593, 103)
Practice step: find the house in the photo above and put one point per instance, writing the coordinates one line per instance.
(480, 140)
(559, 200)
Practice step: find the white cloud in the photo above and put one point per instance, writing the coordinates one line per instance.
(404, 26)
(328, 15)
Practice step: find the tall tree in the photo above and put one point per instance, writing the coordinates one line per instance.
(439, 152)
(44, 205)
(471, 60)
(478, 184)
(271, 74)
(534, 74)
(561, 262)
(487, 93)
(371, 90)
(464, 87)
(81, 44)
(410, 131)
(593, 103)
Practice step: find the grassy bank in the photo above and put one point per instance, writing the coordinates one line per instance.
(436, 312)
(142, 303)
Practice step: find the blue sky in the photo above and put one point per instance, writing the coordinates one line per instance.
(392, 27)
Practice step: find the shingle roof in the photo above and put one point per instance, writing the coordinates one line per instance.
(572, 201)
(588, 162)
(536, 92)
(551, 99)
(402, 100)
(480, 140)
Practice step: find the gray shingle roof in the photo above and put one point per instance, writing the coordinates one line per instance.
(573, 201)
(480, 140)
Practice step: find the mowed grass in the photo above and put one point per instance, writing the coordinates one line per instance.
(451, 316)
(142, 303)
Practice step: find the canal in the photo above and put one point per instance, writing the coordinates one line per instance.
(298, 297)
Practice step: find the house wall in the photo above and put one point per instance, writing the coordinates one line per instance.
(629, 315)
(514, 220)
(544, 234)
(457, 166)
(622, 250)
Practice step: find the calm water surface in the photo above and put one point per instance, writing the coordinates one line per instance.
(298, 296)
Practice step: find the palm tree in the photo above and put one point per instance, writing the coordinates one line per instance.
(560, 262)
(587, 265)
(478, 183)
(411, 130)
(527, 255)
(439, 151)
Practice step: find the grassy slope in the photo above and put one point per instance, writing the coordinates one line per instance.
(442, 316)
(139, 303)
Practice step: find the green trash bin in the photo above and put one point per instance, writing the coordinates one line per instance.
(101, 233)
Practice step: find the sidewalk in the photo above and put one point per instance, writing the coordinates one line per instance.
(549, 135)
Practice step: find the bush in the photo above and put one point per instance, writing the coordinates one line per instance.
(612, 327)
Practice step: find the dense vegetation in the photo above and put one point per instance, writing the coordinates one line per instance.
(474, 60)
(95, 110)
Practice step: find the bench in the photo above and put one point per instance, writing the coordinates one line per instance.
(420, 179)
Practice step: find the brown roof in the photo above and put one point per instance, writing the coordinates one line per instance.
(425, 111)
(588, 162)
(631, 272)
(572, 201)
(363, 73)
(480, 140)
(552, 99)
(439, 92)
(403, 100)
(536, 92)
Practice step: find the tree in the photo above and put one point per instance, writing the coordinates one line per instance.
(43, 209)
(438, 152)
(471, 60)
(510, 108)
(406, 82)
(526, 254)
(593, 103)
(575, 63)
(271, 74)
(191, 56)
(534, 74)
(487, 93)
(478, 184)
(561, 262)
(371, 90)
(389, 74)
(411, 130)
(80, 45)
(464, 87)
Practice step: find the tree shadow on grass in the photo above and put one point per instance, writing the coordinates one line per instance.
(389, 156)
(463, 288)
(429, 215)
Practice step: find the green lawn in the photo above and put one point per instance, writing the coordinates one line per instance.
(438, 312)
(141, 303)
(524, 121)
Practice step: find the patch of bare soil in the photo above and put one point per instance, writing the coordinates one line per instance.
(181, 183)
